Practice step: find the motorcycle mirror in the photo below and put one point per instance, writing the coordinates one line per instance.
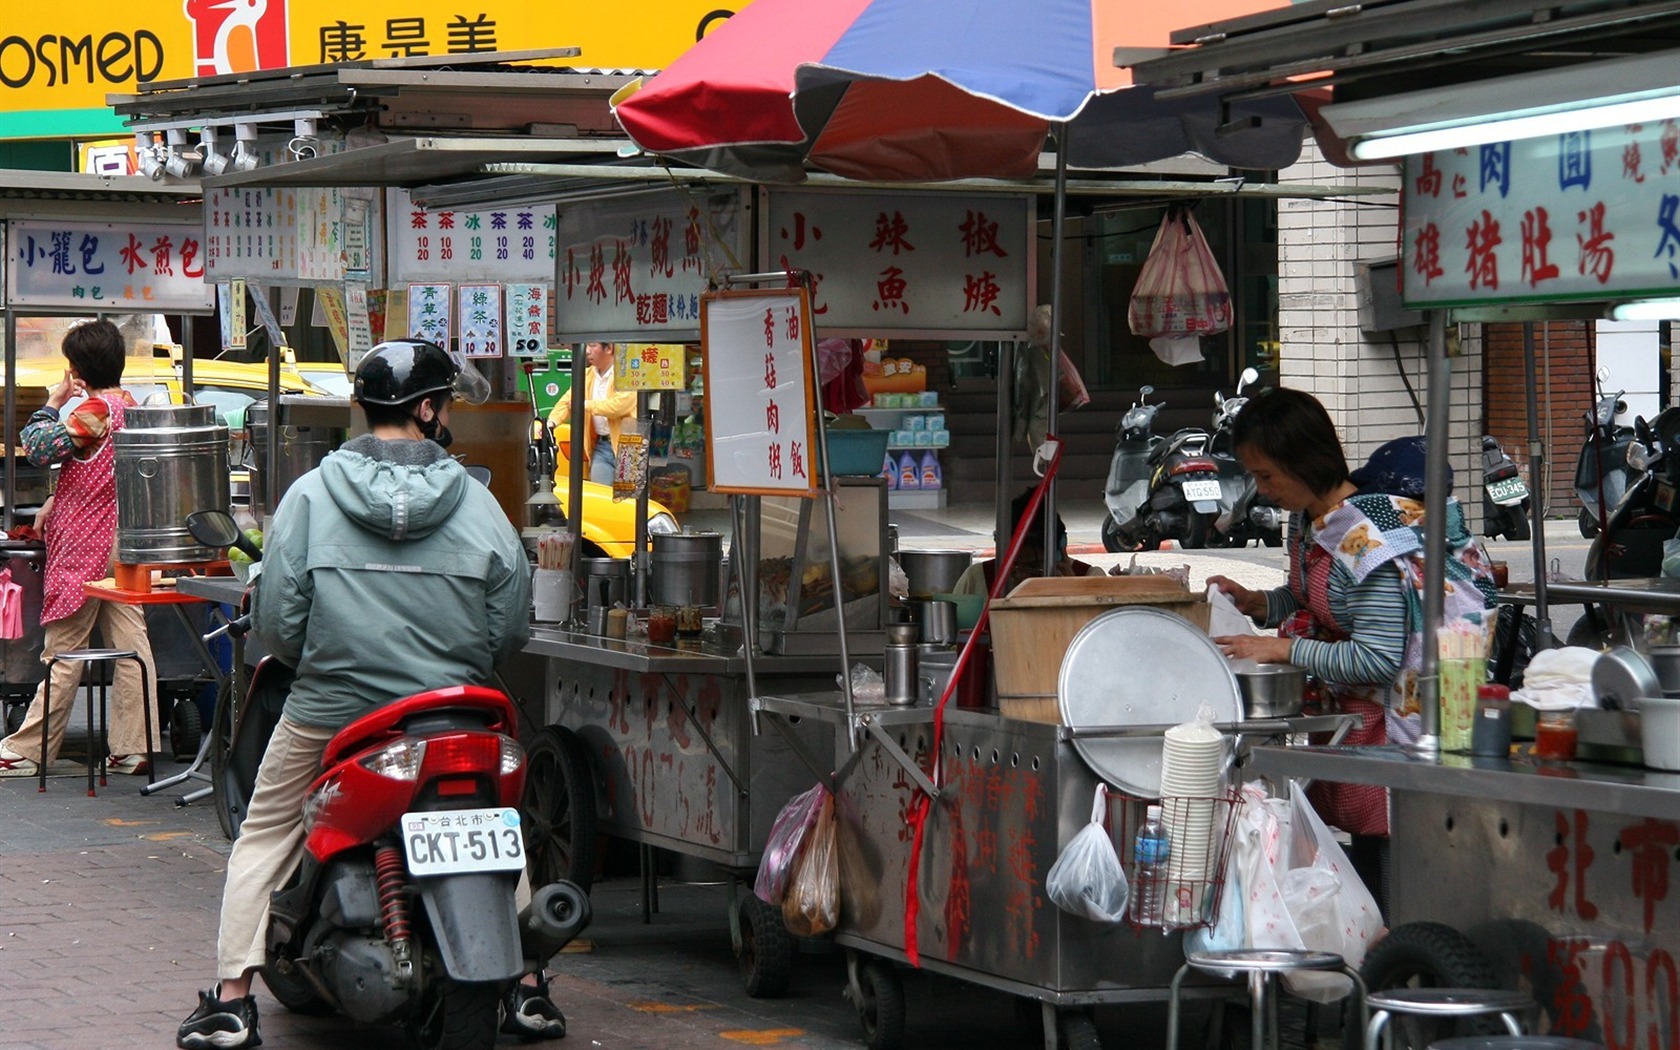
(216, 528)
(1249, 375)
(1603, 373)
(1144, 391)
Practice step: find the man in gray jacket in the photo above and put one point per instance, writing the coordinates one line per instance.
(387, 572)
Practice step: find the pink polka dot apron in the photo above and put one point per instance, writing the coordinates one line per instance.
(82, 529)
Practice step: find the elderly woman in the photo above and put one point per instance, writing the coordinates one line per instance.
(1351, 612)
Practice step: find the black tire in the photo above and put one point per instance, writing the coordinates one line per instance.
(295, 993)
(1112, 541)
(15, 714)
(1589, 631)
(227, 794)
(1079, 1032)
(1196, 531)
(455, 1016)
(186, 729)
(1587, 524)
(1429, 955)
(881, 1006)
(1516, 524)
(239, 740)
(764, 951)
(1271, 539)
(559, 809)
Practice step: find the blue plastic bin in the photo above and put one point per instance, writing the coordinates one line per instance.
(857, 452)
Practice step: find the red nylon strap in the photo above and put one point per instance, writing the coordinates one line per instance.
(921, 804)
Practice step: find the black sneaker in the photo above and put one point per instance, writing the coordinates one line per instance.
(224, 1025)
(529, 1013)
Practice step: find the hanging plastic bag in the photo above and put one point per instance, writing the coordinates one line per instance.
(630, 474)
(786, 835)
(811, 905)
(1180, 292)
(1301, 890)
(1087, 879)
(11, 607)
(1070, 387)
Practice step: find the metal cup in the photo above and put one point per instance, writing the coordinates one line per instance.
(938, 619)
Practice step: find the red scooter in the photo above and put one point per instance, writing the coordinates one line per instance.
(402, 908)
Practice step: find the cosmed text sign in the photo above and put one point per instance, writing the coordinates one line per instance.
(760, 397)
(99, 266)
(1584, 216)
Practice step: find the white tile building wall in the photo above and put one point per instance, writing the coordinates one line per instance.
(1325, 352)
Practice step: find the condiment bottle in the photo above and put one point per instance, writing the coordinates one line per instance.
(1490, 734)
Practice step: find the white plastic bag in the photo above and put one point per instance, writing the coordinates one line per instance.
(1087, 879)
(1300, 889)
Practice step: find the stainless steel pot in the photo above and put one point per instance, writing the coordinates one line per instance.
(170, 461)
(938, 619)
(1272, 690)
(299, 450)
(686, 567)
(934, 571)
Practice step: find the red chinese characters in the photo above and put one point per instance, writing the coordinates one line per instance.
(1569, 861)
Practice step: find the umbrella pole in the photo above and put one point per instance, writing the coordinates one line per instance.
(1435, 532)
(1537, 478)
(1058, 227)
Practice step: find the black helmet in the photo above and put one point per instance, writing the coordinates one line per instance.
(399, 370)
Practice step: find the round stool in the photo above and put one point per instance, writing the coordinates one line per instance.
(1262, 966)
(1443, 1002)
(87, 656)
(1515, 1042)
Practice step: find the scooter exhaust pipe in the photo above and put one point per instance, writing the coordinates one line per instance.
(557, 913)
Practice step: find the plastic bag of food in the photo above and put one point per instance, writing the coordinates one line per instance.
(786, 835)
(1087, 879)
(630, 476)
(867, 684)
(811, 904)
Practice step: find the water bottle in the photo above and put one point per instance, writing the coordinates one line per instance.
(1149, 879)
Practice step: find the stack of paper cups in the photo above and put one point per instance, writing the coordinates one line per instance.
(1193, 759)
(551, 595)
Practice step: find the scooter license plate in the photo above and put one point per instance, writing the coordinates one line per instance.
(1508, 490)
(458, 841)
(1200, 490)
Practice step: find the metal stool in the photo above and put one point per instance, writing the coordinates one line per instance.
(1262, 965)
(87, 656)
(1443, 1002)
(1515, 1042)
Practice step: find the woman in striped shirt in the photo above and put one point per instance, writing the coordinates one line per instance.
(1351, 612)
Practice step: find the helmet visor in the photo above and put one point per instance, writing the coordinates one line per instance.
(470, 384)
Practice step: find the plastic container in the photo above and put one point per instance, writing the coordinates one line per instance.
(1659, 729)
(857, 452)
(1149, 874)
(1555, 735)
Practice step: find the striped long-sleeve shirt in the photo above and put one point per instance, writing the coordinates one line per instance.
(1373, 612)
(47, 439)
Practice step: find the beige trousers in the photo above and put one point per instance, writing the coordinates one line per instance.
(270, 845)
(124, 627)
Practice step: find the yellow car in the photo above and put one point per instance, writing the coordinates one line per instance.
(229, 385)
(608, 527)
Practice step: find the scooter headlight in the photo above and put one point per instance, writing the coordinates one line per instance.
(1637, 456)
(399, 761)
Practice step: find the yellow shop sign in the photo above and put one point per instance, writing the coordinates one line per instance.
(57, 63)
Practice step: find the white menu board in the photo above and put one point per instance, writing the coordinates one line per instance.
(527, 320)
(907, 265)
(280, 234)
(480, 322)
(504, 244)
(757, 347)
(634, 268)
(429, 316)
(144, 266)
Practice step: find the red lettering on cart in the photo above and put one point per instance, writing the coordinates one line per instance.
(1618, 963)
(708, 824)
(958, 902)
(1651, 843)
(1572, 856)
(647, 786)
(1572, 1009)
(676, 719)
(1023, 899)
(1663, 1010)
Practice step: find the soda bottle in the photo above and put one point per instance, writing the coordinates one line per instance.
(1149, 878)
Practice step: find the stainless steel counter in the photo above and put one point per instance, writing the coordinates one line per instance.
(682, 657)
(224, 589)
(1589, 786)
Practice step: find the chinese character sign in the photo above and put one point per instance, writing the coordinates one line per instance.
(635, 269)
(908, 264)
(106, 266)
(760, 412)
(506, 244)
(649, 366)
(1584, 215)
(480, 319)
(429, 313)
(527, 320)
(287, 233)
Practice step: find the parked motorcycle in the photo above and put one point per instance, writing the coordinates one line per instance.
(1603, 462)
(1244, 514)
(1505, 501)
(401, 910)
(1630, 546)
(1128, 475)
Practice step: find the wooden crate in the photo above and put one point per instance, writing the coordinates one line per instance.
(1031, 630)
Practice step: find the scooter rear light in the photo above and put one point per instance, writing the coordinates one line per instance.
(463, 753)
(1193, 466)
(454, 787)
(399, 761)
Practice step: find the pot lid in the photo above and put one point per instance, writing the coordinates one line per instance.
(1140, 666)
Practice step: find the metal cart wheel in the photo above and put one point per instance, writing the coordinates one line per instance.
(763, 948)
(878, 995)
(1079, 1032)
(559, 807)
(186, 728)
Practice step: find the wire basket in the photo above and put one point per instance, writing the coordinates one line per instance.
(1200, 829)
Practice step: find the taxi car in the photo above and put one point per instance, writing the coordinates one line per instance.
(609, 526)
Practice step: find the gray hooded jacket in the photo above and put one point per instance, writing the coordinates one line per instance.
(387, 571)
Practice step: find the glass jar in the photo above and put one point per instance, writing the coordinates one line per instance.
(662, 625)
(1554, 735)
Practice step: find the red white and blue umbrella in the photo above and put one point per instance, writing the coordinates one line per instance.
(916, 90)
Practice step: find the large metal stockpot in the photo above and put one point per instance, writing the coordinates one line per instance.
(934, 572)
(171, 461)
(300, 450)
(686, 568)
